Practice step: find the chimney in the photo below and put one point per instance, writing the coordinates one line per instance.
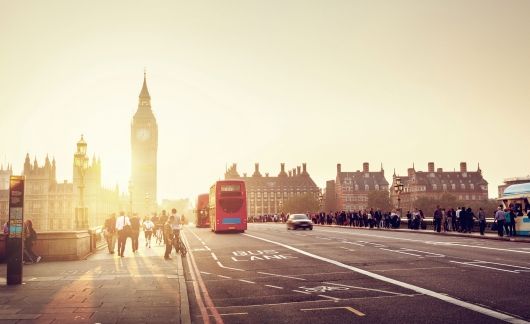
(440, 170)
(298, 168)
(304, 168)
(410, 172)
(338, 167)
(282, 166)
(267, 175)
(290, 173)
(366, 167)
(463, 167)
(431, 166)
(256, 167)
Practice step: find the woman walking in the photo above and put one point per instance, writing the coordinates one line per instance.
(30, 236)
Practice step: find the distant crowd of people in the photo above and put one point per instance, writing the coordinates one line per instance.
(461, 219)
(165, 228)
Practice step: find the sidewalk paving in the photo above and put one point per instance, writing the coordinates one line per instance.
(104, 288)
(488, 236)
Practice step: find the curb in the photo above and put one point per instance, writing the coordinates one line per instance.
(185, 316)
(457, 234)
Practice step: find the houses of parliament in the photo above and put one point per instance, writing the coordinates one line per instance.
(51, 205)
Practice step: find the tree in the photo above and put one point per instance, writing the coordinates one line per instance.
(379, 200)
(301, 204)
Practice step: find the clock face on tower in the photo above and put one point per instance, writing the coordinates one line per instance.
(143, 134)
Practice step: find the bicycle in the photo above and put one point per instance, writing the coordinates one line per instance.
(180, 246)
(159, 235)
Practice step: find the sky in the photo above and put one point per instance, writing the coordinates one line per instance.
(316, 82)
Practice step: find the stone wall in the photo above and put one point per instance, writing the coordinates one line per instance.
(61, 246)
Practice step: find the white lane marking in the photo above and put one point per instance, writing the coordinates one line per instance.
(504, 264)
(345, 248)
(205, 272)
(399, 251)
(207, 248)
(483, 266)
(302, 292)
(435, 255)
(353, 243)
(431, 242)
(222, 266)
(284, 276)
(329, 297)
(274, 286)
(370, 289)
(451, 300)
(226, 277)
(214, 257)
(247, 281)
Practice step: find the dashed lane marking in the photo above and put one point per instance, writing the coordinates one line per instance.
(247, 281)
(226, 277)
(205, 272)
(369, 289)
(351, 309)
(271, 286)
(214, 257)
(229, 268)
(302, 292)
(431, 293)
(284, 276)
(429, 254)
(335, 299)
(397, 251)
(452, 244)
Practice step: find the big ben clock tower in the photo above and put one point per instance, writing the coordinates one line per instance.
(144, 145)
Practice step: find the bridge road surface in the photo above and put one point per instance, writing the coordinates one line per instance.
(343, 275)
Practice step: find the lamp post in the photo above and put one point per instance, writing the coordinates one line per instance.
(147, 198)
(320, 201)
(130, 197)
(81, 164)
(398, 189)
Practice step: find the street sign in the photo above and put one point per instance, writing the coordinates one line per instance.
(16, 229)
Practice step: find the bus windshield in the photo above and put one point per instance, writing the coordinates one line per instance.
(231, 205)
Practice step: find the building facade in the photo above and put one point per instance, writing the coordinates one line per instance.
(433, 184)
(352, 188)
(144, 147)
(51, 205)
(266, 194)
(4, 192)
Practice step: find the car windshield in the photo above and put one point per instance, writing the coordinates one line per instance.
(299, 217)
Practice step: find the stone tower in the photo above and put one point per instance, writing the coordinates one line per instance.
(144, 146)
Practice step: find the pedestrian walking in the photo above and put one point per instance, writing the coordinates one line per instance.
(30, 236)
(168, 236)
(437, 219)
(123, 227)
(135, 232)
(513, 217)
(148, 227)
(109, 232)
(481, 220)
(500, 219)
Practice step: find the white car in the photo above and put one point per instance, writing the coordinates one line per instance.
(299, 221)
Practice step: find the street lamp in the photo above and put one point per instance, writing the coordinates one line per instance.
(130, 197)
(398, 189)
(147, 197)
(320, 201)
(81, 164)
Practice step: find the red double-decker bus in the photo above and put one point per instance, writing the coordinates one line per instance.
(228, 206)
(203, 219)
